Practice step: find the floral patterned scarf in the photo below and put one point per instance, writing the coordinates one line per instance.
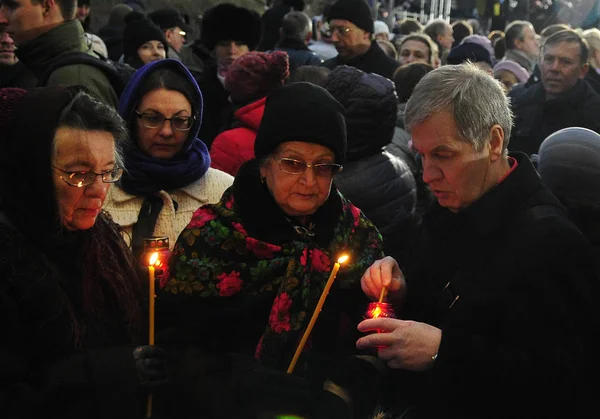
(215, 257)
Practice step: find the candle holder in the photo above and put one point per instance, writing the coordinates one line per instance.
(159, 245)
(378, 310)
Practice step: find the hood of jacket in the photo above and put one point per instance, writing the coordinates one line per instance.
(371, 105)
(251, 114)
(130, 97)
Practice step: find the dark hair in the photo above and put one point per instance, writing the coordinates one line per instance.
(310, 73)
(86, 113)
(406, 78)
(570, 36)
(550, 30)
(514, 31)
(168, 78)
(409, 25)
(66, 7)
(461, 29)
(499, 48)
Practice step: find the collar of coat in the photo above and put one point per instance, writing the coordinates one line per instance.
(196, 191)
(258, 209)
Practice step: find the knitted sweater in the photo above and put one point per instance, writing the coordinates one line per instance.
(125, 208)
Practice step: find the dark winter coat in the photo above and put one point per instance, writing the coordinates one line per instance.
(380, 183)
(218, 111)
(16, 75)
(298, 53)
(38, 55)
(234, 147)
(516, 295)
(536, 118)
(373, 61)
(592, 77)
(244, 278)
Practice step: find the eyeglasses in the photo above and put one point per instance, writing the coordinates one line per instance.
(156, 120)
(182, 33)
(297, 167)
(341, 30)
(81, 179)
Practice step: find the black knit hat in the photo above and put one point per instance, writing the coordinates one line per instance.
(227, 22)
(302, 112)
(355, 11)
(138, 31)
(469, 51)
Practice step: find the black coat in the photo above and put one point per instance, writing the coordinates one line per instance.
(536, 118)
(16, 75)
(298, 54)
(43, 372)
(516, 296)
(372, 61)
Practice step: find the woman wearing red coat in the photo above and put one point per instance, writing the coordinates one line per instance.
(249, 79)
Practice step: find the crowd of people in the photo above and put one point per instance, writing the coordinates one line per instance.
(454, 168)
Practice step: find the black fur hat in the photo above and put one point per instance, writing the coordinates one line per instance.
(228, 22)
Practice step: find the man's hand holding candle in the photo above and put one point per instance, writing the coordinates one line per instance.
(384, 273)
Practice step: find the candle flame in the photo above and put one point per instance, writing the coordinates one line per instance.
(376, 312)
(342, 259)
(153, 258)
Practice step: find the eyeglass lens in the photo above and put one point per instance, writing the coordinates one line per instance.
(297, 167)
(156, 120)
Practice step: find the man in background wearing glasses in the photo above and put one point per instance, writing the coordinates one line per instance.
(174, 27)
(351, 29)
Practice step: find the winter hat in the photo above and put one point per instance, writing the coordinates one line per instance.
(302, 112)
(380, 26)
(167, 18)
(118, 14)
(138, 31)
(469, 51)
(514, 67)
(480, 40)
(355, 11)
(371, 106)
(254, 75)
(569, 164)
(228, 22)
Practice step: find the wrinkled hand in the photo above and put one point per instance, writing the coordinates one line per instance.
(384, 273)
(402, 344)
(151, 366)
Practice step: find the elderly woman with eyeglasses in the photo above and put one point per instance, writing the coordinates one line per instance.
(246, 274)
(70, 298)
(167, 168)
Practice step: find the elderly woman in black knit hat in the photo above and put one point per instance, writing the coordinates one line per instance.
(246, 274)
(71, 303)
(143, 41)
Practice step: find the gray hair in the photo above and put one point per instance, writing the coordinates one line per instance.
(296, 25)
(436, 27)
(86, 113)
(476, 100)
(514, 31)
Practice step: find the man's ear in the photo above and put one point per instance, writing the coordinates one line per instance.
(584, 69)
(496, 142)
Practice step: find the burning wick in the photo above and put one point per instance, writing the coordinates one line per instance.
(313, 319)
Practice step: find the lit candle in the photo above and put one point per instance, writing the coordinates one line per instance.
(313, 319)
(151, 298)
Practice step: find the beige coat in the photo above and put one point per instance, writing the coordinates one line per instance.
(125, 208)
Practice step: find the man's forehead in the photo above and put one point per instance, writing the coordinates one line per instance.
(342, 22)
(563, 48)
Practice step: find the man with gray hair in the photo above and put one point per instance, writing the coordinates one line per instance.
(295, 34)
(501, 294)
(521, 44)
(442, 34)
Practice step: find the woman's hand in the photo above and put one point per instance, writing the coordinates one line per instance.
(402, 344)
(384, 273)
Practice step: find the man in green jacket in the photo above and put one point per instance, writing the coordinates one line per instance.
(43, 30)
